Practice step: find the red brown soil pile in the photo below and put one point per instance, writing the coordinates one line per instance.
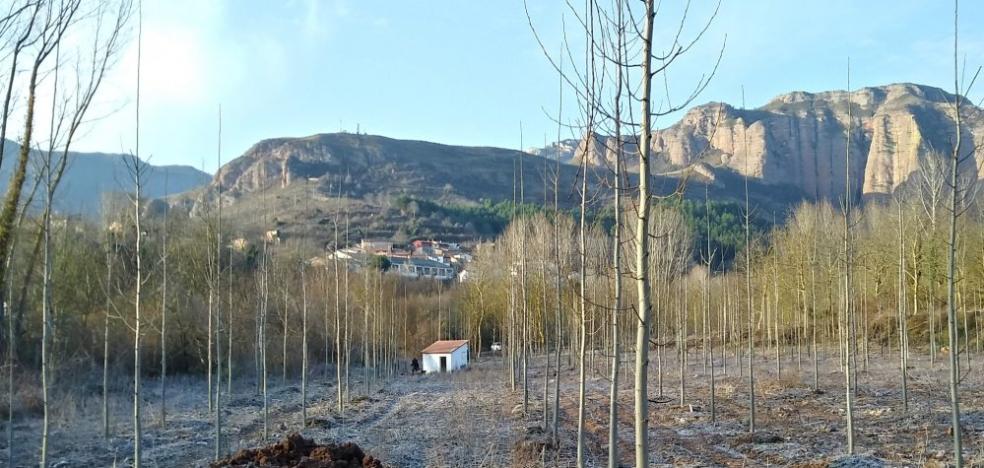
(297, 452)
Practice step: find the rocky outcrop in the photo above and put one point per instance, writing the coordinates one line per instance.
(801, 139)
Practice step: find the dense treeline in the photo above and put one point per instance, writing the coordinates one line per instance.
(795, 270)
(98, 265)
(490, 219)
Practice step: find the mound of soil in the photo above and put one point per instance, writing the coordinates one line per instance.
(297, 452)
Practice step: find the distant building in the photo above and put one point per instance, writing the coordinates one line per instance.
(353, 257)
(273, 236)
(415, 267)
(445, 356)
(436, 249)
(376, 245)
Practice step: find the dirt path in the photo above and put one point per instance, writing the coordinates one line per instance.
(404, 421)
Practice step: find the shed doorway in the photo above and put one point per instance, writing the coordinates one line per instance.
(444, 364)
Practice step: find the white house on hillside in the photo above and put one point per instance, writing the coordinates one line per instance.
(445, 356)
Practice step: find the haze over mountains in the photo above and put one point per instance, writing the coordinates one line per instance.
(90, 176)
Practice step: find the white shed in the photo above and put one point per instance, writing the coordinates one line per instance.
(445, 356)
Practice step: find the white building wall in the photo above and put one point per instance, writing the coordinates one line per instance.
(460, 358)
(456, 360)
(432, 362)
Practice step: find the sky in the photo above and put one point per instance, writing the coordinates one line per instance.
(472, 72)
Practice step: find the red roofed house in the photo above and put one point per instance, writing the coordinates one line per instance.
(445, 356)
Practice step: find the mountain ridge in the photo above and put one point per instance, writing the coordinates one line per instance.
(799, 138)
(91, 176)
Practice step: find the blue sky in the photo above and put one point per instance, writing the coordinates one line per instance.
(467, 72)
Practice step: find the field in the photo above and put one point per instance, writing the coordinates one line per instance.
(473, 419)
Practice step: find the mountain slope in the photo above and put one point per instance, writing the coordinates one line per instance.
(369, 164)
(90, 176)
(292, 184)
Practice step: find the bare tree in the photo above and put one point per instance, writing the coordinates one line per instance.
(304, 343)
(956, 205)
(339, 358)
(217, 285)
(46, 28)
(111, 250)
(264, 309)
(903, 333)
(67, 116)
(163, 330)
(848, 304)
(748, 283)
(620, 80)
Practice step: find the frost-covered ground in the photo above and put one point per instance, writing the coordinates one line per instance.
(797, 426)
(404, 420)
(473, 419)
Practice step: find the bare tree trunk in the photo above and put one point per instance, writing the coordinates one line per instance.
(229, 330)
(707, 301)
(616, 252)
(265, 291)
(304, 347)
(814, 259)
(46, 328)
(582, 376)
(110, 259)
(682, 344)
(775, 308)
(137, 171)
(524, 224)
(18, 46)
(903, 335)
(348, 324)
(164, 314)
(748, 287)
(951, 313)
(285, 316)
(365, 329)
(338, 315)
(137, 397)
(209, 371)
(848, 302)
(217, 281)
(558, 271)
(641, 416)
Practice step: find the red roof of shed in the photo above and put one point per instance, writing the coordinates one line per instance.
(444, 346)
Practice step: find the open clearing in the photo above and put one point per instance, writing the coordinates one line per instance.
(472, 419)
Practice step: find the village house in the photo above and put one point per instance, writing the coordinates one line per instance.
(378, 246)
(445, 356)
(353, 257)
(414, 267)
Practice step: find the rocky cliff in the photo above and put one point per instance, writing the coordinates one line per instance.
(801, 139)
